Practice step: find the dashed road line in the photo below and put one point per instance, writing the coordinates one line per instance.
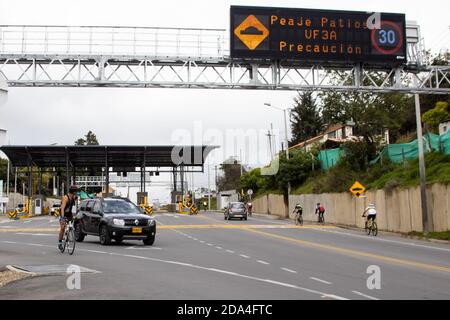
(262, 262)
(230, 251)
(288, 270)
(365, 295)
(320, 280)
(244, 256)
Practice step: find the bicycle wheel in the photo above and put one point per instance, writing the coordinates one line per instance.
(64, 244)
(374, 229)
(70, 241)
(369, 228)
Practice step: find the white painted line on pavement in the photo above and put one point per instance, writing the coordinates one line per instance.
(244, 256)
(27, 221)
(412, 244)
(94, 251)
(11, 242)
(365, 295)
(288, 270)
(210, 244)
(230, 251)
(332, 296)
(220, 248)
(35, 234)
(320, 280)
(142, 248)
(262, 262)
(201, 241)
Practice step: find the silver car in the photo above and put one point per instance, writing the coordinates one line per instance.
(236, 210)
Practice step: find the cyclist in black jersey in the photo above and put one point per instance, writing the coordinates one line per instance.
(65, 213)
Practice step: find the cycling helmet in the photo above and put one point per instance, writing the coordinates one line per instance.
(298, 206)
(73, 189)
(371, 205)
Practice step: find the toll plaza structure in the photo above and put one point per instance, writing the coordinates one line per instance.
(73, 160)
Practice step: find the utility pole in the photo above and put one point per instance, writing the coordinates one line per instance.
(269, 136)
(209, 190)
(423, 185)
(7, 181)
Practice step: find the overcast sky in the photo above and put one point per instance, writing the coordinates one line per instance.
(150, 116)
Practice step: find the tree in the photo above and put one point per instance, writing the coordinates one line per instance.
(436, 116)
(306, 121)
(231, 178)
(90, 139)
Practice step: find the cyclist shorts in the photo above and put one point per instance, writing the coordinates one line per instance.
(372, 217)
(65, 218)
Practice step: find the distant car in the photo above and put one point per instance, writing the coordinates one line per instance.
(235, 210)
(113, 218)
(56, 206)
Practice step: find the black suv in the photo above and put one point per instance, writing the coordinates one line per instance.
(113, 218)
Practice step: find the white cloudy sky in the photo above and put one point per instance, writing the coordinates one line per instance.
(150, 116)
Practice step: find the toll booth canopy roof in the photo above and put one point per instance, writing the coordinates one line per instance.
(96, 156)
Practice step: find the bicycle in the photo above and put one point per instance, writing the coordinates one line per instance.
(69, 238)
(298, 219)
(371, 227)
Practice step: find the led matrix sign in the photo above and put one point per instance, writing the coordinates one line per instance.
(317, 35)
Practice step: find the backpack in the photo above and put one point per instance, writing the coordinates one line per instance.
(321, 209)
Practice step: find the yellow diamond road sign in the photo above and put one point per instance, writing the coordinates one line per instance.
(357, 189)
(251, 32)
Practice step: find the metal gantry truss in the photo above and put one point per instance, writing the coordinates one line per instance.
(42, 56)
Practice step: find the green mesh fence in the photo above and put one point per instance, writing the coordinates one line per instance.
(397, 153)
(329, 158)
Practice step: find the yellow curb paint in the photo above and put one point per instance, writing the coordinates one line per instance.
(354, 252)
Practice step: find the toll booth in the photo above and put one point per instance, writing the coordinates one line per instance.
(38, 205)
(141, 196)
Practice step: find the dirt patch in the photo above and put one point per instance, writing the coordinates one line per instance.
(8, 276)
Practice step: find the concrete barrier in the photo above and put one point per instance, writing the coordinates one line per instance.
(399, 210)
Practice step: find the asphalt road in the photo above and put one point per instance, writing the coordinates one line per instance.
(205, 257)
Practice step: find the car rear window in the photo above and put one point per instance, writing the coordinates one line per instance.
(119, 206)
(237, 206)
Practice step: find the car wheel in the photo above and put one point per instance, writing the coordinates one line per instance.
(149, 240)
(245, 218)
(105, 238)
(79, 235)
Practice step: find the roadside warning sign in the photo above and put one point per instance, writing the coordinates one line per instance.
(357, 189)
(251, 32)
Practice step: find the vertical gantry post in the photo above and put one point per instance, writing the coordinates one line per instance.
(182, 178)
(143, 168)
(106, 171)
(67, 171)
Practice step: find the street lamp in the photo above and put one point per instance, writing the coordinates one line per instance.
(285, 127)
(287, 146)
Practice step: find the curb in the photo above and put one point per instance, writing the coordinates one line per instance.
(12, 268)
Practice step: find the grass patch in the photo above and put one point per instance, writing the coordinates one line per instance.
(445, 235)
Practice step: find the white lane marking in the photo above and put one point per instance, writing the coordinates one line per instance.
(35, 234)
(176, 217)
(195, 239)
(6, 227)
(262, 262)
(201, 241)
(322, 294)
(27, 221)
(365, 295)
(244, 256)
(332, 296)
(288, 270)
(142, 248)
(412, 244)
(11, 242)
(210, 244)
(230, 251)
(94, 251)
(320, 280)
(220, 248)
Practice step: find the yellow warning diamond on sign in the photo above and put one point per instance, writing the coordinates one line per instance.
(251, 32)
(357, 189)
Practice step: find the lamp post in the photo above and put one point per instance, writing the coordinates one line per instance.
(286, 145)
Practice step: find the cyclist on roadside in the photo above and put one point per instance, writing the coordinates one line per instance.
(65, 213)
(320, 210)
(298, 211)
(371, 213)
(249, 208)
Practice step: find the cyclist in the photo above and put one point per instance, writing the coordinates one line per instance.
(65, 213)
(371, 213)
(249, 208)
(320, 210)
(298, 211)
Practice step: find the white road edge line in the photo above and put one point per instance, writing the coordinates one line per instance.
(322, 294)
(365, 295)
(288, 270)
(320, 280)
(262, 262)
